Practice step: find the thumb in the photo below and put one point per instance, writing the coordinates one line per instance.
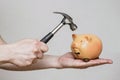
(43, 47)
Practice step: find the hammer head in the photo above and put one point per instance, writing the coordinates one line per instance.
(69, 20)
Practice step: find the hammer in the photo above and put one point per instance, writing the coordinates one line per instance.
(67, 20)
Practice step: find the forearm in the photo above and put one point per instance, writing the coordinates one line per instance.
(48, 61)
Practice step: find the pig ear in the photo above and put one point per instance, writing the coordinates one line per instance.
(74, 36)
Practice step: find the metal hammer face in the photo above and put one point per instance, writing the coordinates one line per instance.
(67, 20)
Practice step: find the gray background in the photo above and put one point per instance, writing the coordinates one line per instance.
(20, 19)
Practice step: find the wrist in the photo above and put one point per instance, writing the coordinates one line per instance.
(53, 61)
(48, 61)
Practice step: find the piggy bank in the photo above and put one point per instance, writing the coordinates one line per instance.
(86, 46)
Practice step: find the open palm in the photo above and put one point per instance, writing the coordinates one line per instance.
(68, 61)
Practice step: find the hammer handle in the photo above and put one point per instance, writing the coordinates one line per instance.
(47, 37)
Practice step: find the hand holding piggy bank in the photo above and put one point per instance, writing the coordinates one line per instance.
(86, 46)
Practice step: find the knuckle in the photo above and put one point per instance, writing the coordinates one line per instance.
(40, 56)
(44, 48)
(36, 42)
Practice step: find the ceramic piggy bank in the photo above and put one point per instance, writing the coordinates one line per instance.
(86, 46)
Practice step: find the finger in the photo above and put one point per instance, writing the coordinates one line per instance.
(40, 46)
(39, 55)
(102, 61)
(109, 61)
(81, 64)
(43, 47)
(97, 62)
(40, 49)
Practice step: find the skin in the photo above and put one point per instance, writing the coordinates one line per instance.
(28, 46)
(1, 40)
